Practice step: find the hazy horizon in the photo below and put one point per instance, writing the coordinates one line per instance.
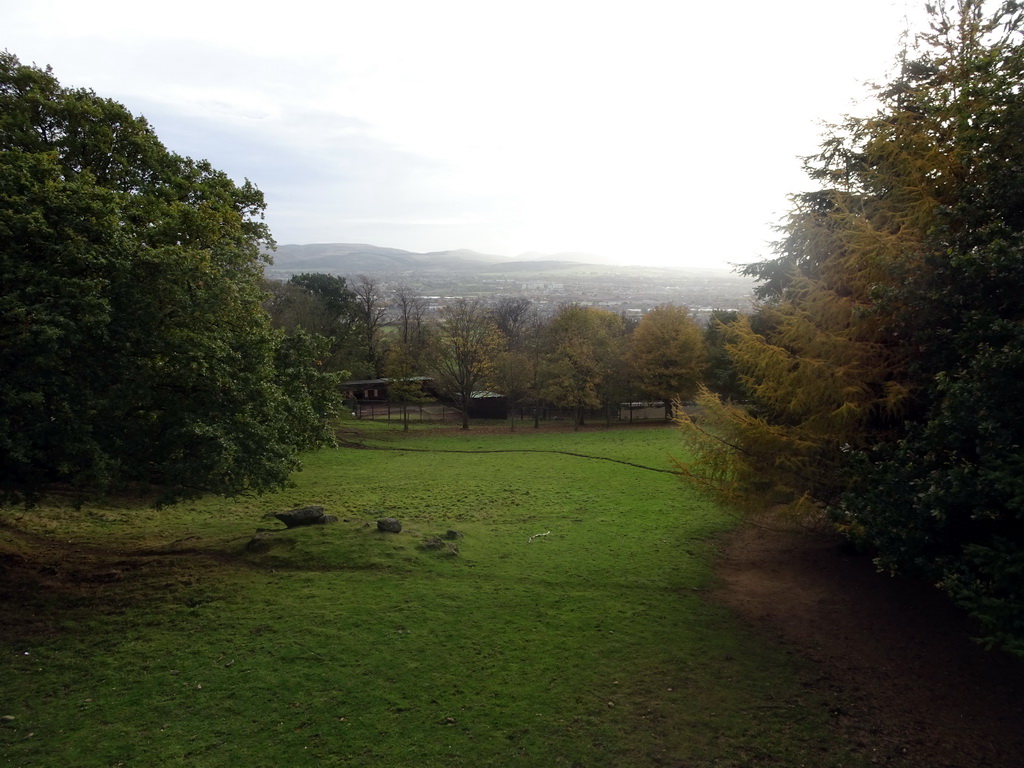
(664, 134)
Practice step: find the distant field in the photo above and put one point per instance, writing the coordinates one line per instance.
(143, 637)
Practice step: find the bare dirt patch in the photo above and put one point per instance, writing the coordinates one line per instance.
(906, 685)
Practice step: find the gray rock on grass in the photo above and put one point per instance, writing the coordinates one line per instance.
(312, 515)
(389, 525)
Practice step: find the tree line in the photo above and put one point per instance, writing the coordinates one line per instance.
(884, 366)
(142, 348)
(879, 382)
(577, 357)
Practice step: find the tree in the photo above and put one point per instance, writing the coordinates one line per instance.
(410, 309)
(372, 310)
(885, 364)
(134, 345)
(945, 499)
(313, 397)
(462, 351)
(512, 318)
(668, 354)
(405, 382)
(584, 350)
(338, 300)
(721, 376)
(512, 376)
(322, 305)
(516, 367)
(823, 374)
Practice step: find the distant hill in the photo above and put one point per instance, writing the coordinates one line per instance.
(550, 280)
(359, 258)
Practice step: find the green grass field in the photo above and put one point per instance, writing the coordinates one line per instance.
(142, 637)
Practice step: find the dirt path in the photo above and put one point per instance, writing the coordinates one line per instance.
(907, 688)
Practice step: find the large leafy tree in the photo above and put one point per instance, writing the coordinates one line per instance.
(583, 360)
(885, 364)
(668, 354)
(133, 344)
(946, 500)
(321, 305)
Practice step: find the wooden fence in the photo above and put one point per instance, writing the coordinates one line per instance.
(382, 410)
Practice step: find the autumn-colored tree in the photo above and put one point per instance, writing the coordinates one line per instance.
(818, 361)
(584, 349)
(945, 501)
(668, 355)
(885, 365)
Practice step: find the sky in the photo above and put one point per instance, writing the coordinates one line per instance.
(649, 132)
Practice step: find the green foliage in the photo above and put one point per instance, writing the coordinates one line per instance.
(322, 305)
(959, 518)
(338, 301)
(886, 364)
(721, 376)
(134, 346)
(947, 500)
(314, 394)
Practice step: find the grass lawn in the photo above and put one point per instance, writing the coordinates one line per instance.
(142, 637)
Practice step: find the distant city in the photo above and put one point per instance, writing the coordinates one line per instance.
(549, 281)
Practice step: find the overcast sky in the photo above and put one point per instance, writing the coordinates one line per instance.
(648, 132)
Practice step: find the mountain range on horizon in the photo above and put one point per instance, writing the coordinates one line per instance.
(356, 258)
